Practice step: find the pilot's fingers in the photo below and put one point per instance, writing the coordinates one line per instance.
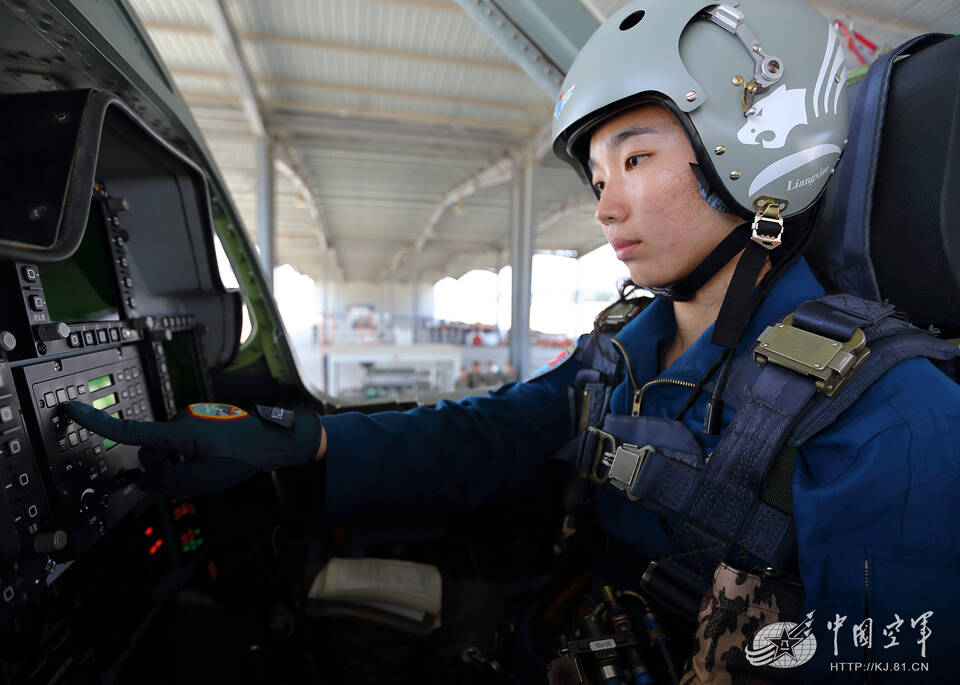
(121, 430)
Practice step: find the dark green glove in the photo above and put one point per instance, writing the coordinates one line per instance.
(208, 447)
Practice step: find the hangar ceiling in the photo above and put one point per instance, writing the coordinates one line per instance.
(397, 123)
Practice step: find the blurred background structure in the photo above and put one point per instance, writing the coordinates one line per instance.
(391, 160)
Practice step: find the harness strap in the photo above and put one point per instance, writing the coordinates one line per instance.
(742, 496)
(592, 388)
(778, 407)
(719, 506)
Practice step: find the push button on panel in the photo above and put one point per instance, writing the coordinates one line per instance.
(74, 340)
(89, 338)
(73, 439)
(101, 337)
(6, 414)
(71, 392)
(36, 303)
(30, 274)
(14, 447)
(61, 395)
(49, 399)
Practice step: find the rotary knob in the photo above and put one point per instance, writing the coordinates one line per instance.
(48, 543)
(49, 332)
(92, 501)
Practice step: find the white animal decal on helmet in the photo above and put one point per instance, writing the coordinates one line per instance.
(780, 112)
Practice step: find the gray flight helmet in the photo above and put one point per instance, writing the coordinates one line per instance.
(758, 85)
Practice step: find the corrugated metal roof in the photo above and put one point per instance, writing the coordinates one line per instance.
(387, 105)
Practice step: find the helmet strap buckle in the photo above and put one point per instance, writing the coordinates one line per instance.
(768, 225)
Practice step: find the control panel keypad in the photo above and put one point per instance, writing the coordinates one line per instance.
(84, 465)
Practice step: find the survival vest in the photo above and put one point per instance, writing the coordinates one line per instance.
(801, 374)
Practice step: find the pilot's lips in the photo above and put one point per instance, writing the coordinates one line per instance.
(624, 248)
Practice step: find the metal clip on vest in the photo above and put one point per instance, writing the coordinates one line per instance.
(830, 361)
(622, 462)
(600, 455)
(625, 465)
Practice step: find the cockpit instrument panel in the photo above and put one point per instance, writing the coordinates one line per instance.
(112, 297)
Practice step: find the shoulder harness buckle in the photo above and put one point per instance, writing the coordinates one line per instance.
(622, 462)
(830, 361)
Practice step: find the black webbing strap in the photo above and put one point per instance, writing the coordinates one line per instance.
(686, 288)
(731, 319)
(778, 491)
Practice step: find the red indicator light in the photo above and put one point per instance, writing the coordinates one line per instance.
(149, 531)
(158, 543)
(212, 570)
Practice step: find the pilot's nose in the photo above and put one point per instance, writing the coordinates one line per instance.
(611, 207)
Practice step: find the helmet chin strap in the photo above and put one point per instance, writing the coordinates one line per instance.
(766, 232)
(764, 235)
(686, 288)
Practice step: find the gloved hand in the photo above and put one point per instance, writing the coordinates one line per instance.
(208, 447)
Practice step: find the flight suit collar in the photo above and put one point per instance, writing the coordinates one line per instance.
(645, 336)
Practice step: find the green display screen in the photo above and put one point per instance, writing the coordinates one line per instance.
(80, 288)
(107, 442)
(100, 383)
(105, 401)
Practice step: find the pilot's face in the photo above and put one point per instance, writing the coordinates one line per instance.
(650, 207)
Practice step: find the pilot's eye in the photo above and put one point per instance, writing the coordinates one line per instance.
(634, 160)
(598, 187)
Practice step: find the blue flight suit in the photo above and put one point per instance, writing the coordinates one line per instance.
(876, 494)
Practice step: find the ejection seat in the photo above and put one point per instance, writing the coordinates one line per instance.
(889, 227)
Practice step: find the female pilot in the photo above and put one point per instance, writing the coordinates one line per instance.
(707, 134)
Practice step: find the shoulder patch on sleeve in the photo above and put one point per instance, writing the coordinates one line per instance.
(215, 411)
(555, 363)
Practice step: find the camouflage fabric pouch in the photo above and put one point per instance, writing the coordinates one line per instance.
(731, 612)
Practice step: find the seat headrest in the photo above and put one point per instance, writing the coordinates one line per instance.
(912, 239)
